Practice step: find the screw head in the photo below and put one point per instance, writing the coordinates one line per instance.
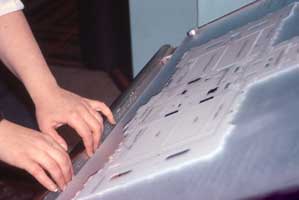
(191, 33)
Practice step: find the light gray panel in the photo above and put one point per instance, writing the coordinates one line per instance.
(204, 133)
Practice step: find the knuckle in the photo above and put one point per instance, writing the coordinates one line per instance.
(74, 114)
(80, 107)
(63, 160)
(35, 170)
(85, 102)
(101, 104)
(86, 134)
(55, 171)
(97, 127)
(41, 141)
(106, 108)
(48, 137)
(52, 167)
(43, 126)
(88, 142)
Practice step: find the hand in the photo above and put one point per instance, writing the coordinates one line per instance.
(63, 107)
(36, 153)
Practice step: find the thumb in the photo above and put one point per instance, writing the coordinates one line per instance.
(55, 135)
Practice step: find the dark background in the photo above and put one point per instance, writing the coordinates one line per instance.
(93, 34)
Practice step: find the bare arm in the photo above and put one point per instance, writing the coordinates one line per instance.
(54, 105)
(21, 54)
(37, 153)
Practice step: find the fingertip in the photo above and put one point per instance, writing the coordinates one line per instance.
(89, 152)
(95, 146)
(62, 143)
(112, 120)
(64, 146)
(54, 189)
(58, 139)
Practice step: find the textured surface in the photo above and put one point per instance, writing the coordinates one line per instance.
(223, 127)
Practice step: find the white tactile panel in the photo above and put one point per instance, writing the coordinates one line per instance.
(190, 118)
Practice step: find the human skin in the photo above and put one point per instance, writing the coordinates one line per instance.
(54, 107)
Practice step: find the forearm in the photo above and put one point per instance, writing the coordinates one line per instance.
(54, 106)
(20, 53)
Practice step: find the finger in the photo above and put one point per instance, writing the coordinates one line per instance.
(105, 110)
(66, 159)
(40, 175)
(96, 124)
(64, 162)
(96, 114)
(55, 135)
(51, 166)
(79, 124)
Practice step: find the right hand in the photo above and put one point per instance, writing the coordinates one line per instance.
(61, 107)
(36, 153)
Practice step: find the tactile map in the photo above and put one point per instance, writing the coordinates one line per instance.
(223, 127)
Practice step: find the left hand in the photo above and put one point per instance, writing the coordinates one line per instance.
(64, 107)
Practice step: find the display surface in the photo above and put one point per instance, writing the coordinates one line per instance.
(219, 121)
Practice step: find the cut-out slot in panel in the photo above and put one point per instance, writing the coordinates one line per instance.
(195, 120)
(120, 174)
(212, 91)
(194, 81)
(237, 69)
(267, 65)
(180, 153)
(171, 113)
(207, 99)
(227, 86)
(184, 92)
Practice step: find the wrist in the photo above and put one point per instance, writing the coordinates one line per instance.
(41, 90)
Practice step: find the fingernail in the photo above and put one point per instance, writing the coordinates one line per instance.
(90, 154)
(63, 188)
(64, 147)
(54, 188)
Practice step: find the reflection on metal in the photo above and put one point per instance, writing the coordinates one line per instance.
(218, 121)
